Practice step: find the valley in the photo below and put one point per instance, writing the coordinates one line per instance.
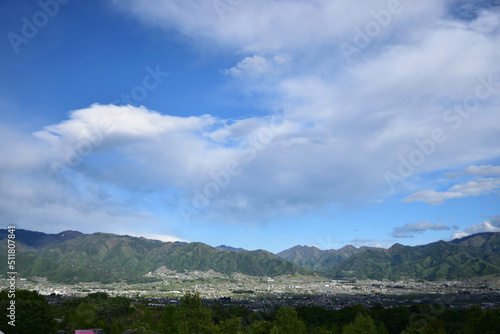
(295, 290)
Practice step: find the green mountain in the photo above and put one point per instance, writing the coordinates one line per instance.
(437, 260)
(73, 257)
(109, 258)
(471, 256)
(317, 259)
(487, 241)
(40, 239)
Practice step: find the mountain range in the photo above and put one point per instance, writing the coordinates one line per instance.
(315, 258)
(475, 255)
(72, 256)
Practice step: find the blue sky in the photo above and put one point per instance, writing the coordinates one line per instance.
(255, 124)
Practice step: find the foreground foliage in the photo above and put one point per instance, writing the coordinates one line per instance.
(118, 314)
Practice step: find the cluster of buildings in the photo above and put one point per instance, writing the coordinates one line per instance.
(262, 293)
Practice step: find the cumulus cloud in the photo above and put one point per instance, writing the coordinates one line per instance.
(20, 151)
(409, 230)
(490, 225)
(256, 65)
(477, 187)
(250, 65)
(151, 150)
(39, 203)
(376, 105)
(474, 170)
(262, 26)
(333, 127)
(32, 197)
(431, 196)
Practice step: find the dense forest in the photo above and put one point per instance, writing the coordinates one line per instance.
(118, 314)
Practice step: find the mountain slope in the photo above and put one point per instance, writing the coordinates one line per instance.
(40, 239)
(488, 241)
(433, 261)
(109, 258)
(317, 259)
(224, 247)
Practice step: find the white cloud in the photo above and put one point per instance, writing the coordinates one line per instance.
(153, 236)
(482, 170)
(252, 66)
(117, 123)
(491, 225)
(262, 25)
(477, 187)
(19, 151)
(342, 124)
(432, 197)
(395, 92)
(409, 230)
(486, 23)
(34, 200)
(256, 65)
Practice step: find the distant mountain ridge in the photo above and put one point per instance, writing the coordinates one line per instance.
(39, 239)
(471, 256)
(109, 258)
(234, 249)
(488, 241)
(313, 257)
(72, 256)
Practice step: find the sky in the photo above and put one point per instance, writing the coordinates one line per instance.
(259, 124)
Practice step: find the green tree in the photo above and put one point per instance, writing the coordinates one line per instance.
(147, 322)
(348, 314)
(169, 322)
(382, 329)
(115, 328)
(148, 318)
(85, 315)
(33, 314)
(363, 324)
(287, 322)
(231, 326)
(260, 327)
(322, 330)
(194, 316)
(395, 319)
(479, 321)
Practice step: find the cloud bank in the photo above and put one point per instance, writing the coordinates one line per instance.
(409, 230)
(476, 187)
(490, 225)
(335, 125)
